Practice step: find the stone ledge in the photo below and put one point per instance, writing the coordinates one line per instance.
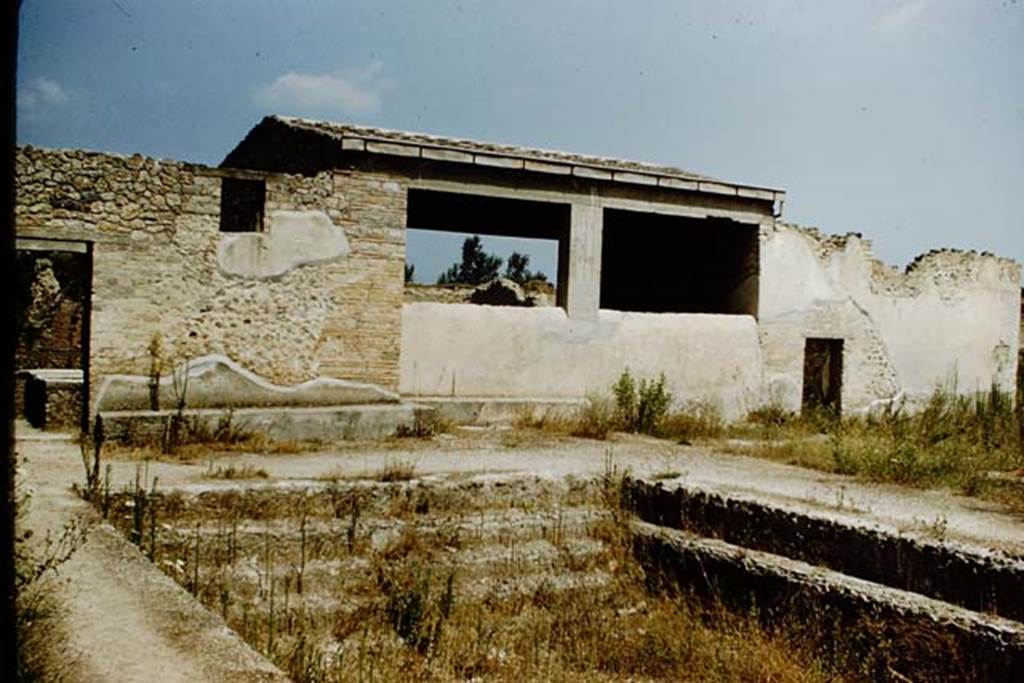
(323, 423)
(912, 629)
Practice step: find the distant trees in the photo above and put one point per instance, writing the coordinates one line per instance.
(517, 269)
(477, 266)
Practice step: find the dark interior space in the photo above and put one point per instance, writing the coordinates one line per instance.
(482, 215)
(823, 376)
(657, 263)
(241, 205)
(50, 291)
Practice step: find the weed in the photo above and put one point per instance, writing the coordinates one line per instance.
(641, 407)
(237, 472)
(596, 419)
(396, 470)
(701, 419)
(425, 425)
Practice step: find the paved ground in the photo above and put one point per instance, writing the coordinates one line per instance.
(117, 617)
(122, 614)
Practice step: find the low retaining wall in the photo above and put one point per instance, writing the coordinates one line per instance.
(324, 424)
(466, 350)
(987, 582)
(53, 398)
(888, 634)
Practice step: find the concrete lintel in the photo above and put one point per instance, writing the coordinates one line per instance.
(353, 144)
(544, 167)
(440, 154)
(677, 183)
(716, 188)
(755, 193)
(393, 148)
(497, 162)
(591, 172)
(635, 178)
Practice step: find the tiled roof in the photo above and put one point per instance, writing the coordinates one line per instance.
(400, 143)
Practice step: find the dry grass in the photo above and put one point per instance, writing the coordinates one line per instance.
(192, 452)
(953, 442)
(237, 472)
(396, 470)
(300, 578)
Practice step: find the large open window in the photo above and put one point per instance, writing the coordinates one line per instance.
(440, 223)
(671, 264)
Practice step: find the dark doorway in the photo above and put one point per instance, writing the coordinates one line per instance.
(823, 376)
(53, 297)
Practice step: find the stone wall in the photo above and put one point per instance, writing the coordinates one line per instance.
(158, 266)
(952, 318)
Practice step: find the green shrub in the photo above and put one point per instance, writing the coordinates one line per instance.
(641, 406)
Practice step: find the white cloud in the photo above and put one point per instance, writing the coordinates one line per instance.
(900, 15)
(356, 91)
(41, 93)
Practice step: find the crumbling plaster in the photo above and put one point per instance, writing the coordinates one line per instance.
(951, 318)
(155, 229)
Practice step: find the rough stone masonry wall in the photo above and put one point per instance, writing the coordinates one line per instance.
(952, 318)
(155, 225)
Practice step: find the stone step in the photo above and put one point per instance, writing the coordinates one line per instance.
(902, 635)
(973, 577)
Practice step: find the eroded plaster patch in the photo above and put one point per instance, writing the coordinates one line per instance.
(216, 381)
(292, 239)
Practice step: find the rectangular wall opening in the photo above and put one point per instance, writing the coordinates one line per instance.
(658, 263)
(456, 242)
(242, 205)
(823, 376)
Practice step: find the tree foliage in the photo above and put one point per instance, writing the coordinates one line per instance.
(477, 266)
(517, 269)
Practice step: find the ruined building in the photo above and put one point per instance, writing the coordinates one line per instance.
(278, 277)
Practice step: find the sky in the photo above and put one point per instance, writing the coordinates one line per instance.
(902, 120)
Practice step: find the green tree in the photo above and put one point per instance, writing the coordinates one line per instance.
(477, 266)
(517, 269)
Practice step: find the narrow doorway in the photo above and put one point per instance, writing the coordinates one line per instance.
(823, 376)
(53, 304)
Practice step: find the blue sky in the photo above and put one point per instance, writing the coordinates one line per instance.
(899, 119)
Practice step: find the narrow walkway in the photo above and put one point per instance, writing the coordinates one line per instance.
(117, 617)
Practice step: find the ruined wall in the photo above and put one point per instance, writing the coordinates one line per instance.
(467, 350)
(951, 318)
(160, 265)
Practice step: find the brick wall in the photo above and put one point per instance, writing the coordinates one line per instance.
(155, 225)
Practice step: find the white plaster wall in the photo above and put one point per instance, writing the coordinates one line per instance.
(952, 318)
(466, 350)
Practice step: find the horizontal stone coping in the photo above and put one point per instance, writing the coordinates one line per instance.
(53, 375)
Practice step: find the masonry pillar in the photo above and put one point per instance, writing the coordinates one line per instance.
(583, 261)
